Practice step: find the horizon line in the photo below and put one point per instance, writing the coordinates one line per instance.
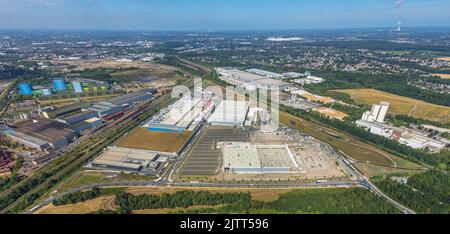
(209, 30)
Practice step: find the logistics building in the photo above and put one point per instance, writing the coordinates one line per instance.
(230, 113)
(52, 113)
(185, 114)
(241, 158)
(131, 99)
(86, 124)
(265, 73)
(124, 159)
(106, 108)
(249, 80)
(41, 133)
(309, 80)
(74, 118)
(247, 158)
(24, 139)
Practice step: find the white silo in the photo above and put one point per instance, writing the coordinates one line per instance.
(383, 111)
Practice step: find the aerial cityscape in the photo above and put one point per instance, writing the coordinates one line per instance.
(222, 116)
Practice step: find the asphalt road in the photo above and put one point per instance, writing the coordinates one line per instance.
(192, 184)
(165, 180)
(93, 141)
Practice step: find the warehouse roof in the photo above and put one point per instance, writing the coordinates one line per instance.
(45, 129)
(25, 137)
(130, 97)
(67, 109)
(124, 157)
(230, 111)
(242, 155)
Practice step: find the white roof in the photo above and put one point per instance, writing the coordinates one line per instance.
(241, 156)
(230, 111)
(92, 120)
(132, 158)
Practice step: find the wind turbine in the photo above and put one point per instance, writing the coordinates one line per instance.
(399, 26)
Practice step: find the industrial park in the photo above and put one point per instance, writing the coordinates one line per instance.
(202, 138)
(54, 128)
(329, 121)
(222, 139)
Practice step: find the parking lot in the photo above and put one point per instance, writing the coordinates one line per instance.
(205, 157)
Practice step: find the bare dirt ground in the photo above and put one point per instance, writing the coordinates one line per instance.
(443, 76)
(103, 202)
(107, 63)
(444, 59)
(330, 113)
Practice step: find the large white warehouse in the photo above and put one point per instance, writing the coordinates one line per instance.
(230, 113)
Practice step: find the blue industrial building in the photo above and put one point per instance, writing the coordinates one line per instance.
(59, 84)
(25, 89)
(77, 88)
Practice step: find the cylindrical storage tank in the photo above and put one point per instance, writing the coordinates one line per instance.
(25, 89)
(59, 84)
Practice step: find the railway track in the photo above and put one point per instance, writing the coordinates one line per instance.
(90, 147)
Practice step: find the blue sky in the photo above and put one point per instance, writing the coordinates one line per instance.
(221, 14)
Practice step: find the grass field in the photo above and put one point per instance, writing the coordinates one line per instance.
(142, 138)
(373, 170)
(444, 59)
(103, 202)
(83, 178)
(350, 146)
(443, 76)
(401, 105)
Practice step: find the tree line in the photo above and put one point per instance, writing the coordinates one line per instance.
(184, 199)
(395, 84)
(425, 193)
(327, 201)
(77, 197)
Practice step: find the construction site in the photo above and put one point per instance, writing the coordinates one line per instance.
(205, 157)
(222, 140)
(238, 153)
